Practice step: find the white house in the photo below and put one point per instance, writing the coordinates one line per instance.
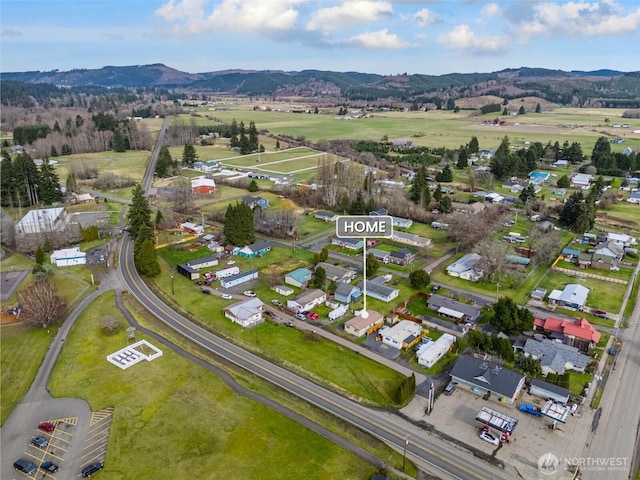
(68, 257)
(465, 268)
(307, 300)
(247, 313)
(431, 352)
(621, 239)
(574, 295)
(338, 312)
(634, 197)
(227, 272)
(192, 228)
(402, 335)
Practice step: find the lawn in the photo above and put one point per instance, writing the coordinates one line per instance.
(309, 226)
(129, 164)
(172, 416)
(21, 352)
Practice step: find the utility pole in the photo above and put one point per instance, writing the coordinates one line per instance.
(172, 290)
(404, 453)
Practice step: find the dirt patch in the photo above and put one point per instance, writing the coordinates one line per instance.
(521, 128)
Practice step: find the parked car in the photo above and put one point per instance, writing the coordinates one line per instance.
(249, 293)
(288, 324)
(300, 316)
(49, 467)
(530, 409)
(600, 313)
(206, 291)
(488, 437)
(199, 282)
(448, 390)
(269, 313)
(39, 442)
(92, 469)
(231, 262)
(313, 316)
(25, 466)
(277, 303)
(226, 296)
(46, 427)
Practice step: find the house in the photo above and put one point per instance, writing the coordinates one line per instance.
(547, 390)
(538, 177)
(44, 220)
(346, 293)
(307, 300)
(254, 202)
(401, 222)
(467, 208)
(610, 249)
(410, 239)
(545, 226)
(187, 271)
(204, 262)
(621, 239)
(238, 279)
(283, 290)
(402, 257)
(404, 334)
(360, 326)
(486, 154)
(634, 197)
(257, 249)
(247, 313)
(429, 354)
(439, 225)
(560, 163)
(451, 308)
(192, 228)
(376, 288)
(215, 247)
(577, 333)
(348, 243)
(336, 273)
(299, 277)
(465, 268)
(227, 272)
(379, 213)
(581, 181)
(209, 166)
(81, 197)
(573, 296)
(539, 294)
(326, 216)
(202, 185)
(483, 378)
(570, 254)
(380, 255)
(67, 257)
(493, 198)
(555, 357)
(232, 250)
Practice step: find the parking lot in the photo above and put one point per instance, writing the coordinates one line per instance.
(70, 437)
(453, 419)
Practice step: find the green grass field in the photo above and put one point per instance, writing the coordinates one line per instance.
(173, 419)
(126, 164)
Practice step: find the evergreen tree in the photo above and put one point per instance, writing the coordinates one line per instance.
(54, 152)
(139, 214)
(277, 144)
(528, 193)
(463, 158)
(419, 279)
(7, 182)
(538, 108)
(253, 186)
(505, 112)
(372, 265)
(437, 195)
(357, 206)
(26, 176)
(563, 182)
(319, 278)
(49, 184)
(371, 205)
(521, 110)
(119, 141)
(233, 132)
(72, 183)
(446, 175)
(474, 146)
(253, 137)
(40, 256)
(189, 156)
(445, 205)
(147, 260)
(165, 166)
(158, 219)
(419, 193)
(238, 225)
(511, 319)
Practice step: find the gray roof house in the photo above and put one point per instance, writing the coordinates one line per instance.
(483, 378)
(376, 288)
(574, 295)
(346, 293)
(336, 273)
(465, 268)
(556, 357)
(611, 249)
(545, 390)
(454, 309)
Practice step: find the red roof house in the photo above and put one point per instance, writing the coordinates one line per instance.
(578, 333)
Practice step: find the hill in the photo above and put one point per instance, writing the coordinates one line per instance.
(597, 88)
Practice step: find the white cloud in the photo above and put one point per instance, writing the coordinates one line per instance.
(381, 39)
(251, 16)
(492, 10)
(423, 17)
(10, 32)
(580, 18)
(352, 12)
(463, 39)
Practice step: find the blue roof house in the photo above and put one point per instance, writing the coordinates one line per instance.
(299, 277)
(538, 177)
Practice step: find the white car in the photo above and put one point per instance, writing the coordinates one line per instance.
(226, 296)
(487, 437)
(249, 293)
(231, 262)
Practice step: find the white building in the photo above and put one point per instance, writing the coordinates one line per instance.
(401, 335)
(42, 221)
(68, 257)
(247, 313)
(431, 352)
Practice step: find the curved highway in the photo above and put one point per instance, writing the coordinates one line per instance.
(444, 460)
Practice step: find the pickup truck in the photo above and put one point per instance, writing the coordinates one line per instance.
(530, 409)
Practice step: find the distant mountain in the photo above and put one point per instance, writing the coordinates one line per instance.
(579, 88)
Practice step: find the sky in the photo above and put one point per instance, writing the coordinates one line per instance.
(385, 37)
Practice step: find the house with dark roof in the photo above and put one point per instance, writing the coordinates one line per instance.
(376, 288)
(254, 202)
(484, 378)
(467, 208)
(326, 216)
(257, 249)
(577, 333)
(611, 249)
(203, 262)
(336, 273)
(346, 293)
(380, 255)
(450, 308)
(555, 357)
(307, 300)
(186, 271)
(402, 257)
(379, 213)
(410, 239)
(349, 243)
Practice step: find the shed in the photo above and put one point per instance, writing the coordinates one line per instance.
(546, 390)
(283, 290)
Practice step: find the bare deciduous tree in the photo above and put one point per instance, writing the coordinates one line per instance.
(183, 197)
(110, 324)
(41, 305)
(493, 259)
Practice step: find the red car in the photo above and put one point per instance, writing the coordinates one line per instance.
(313, 316)
(47, 427)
